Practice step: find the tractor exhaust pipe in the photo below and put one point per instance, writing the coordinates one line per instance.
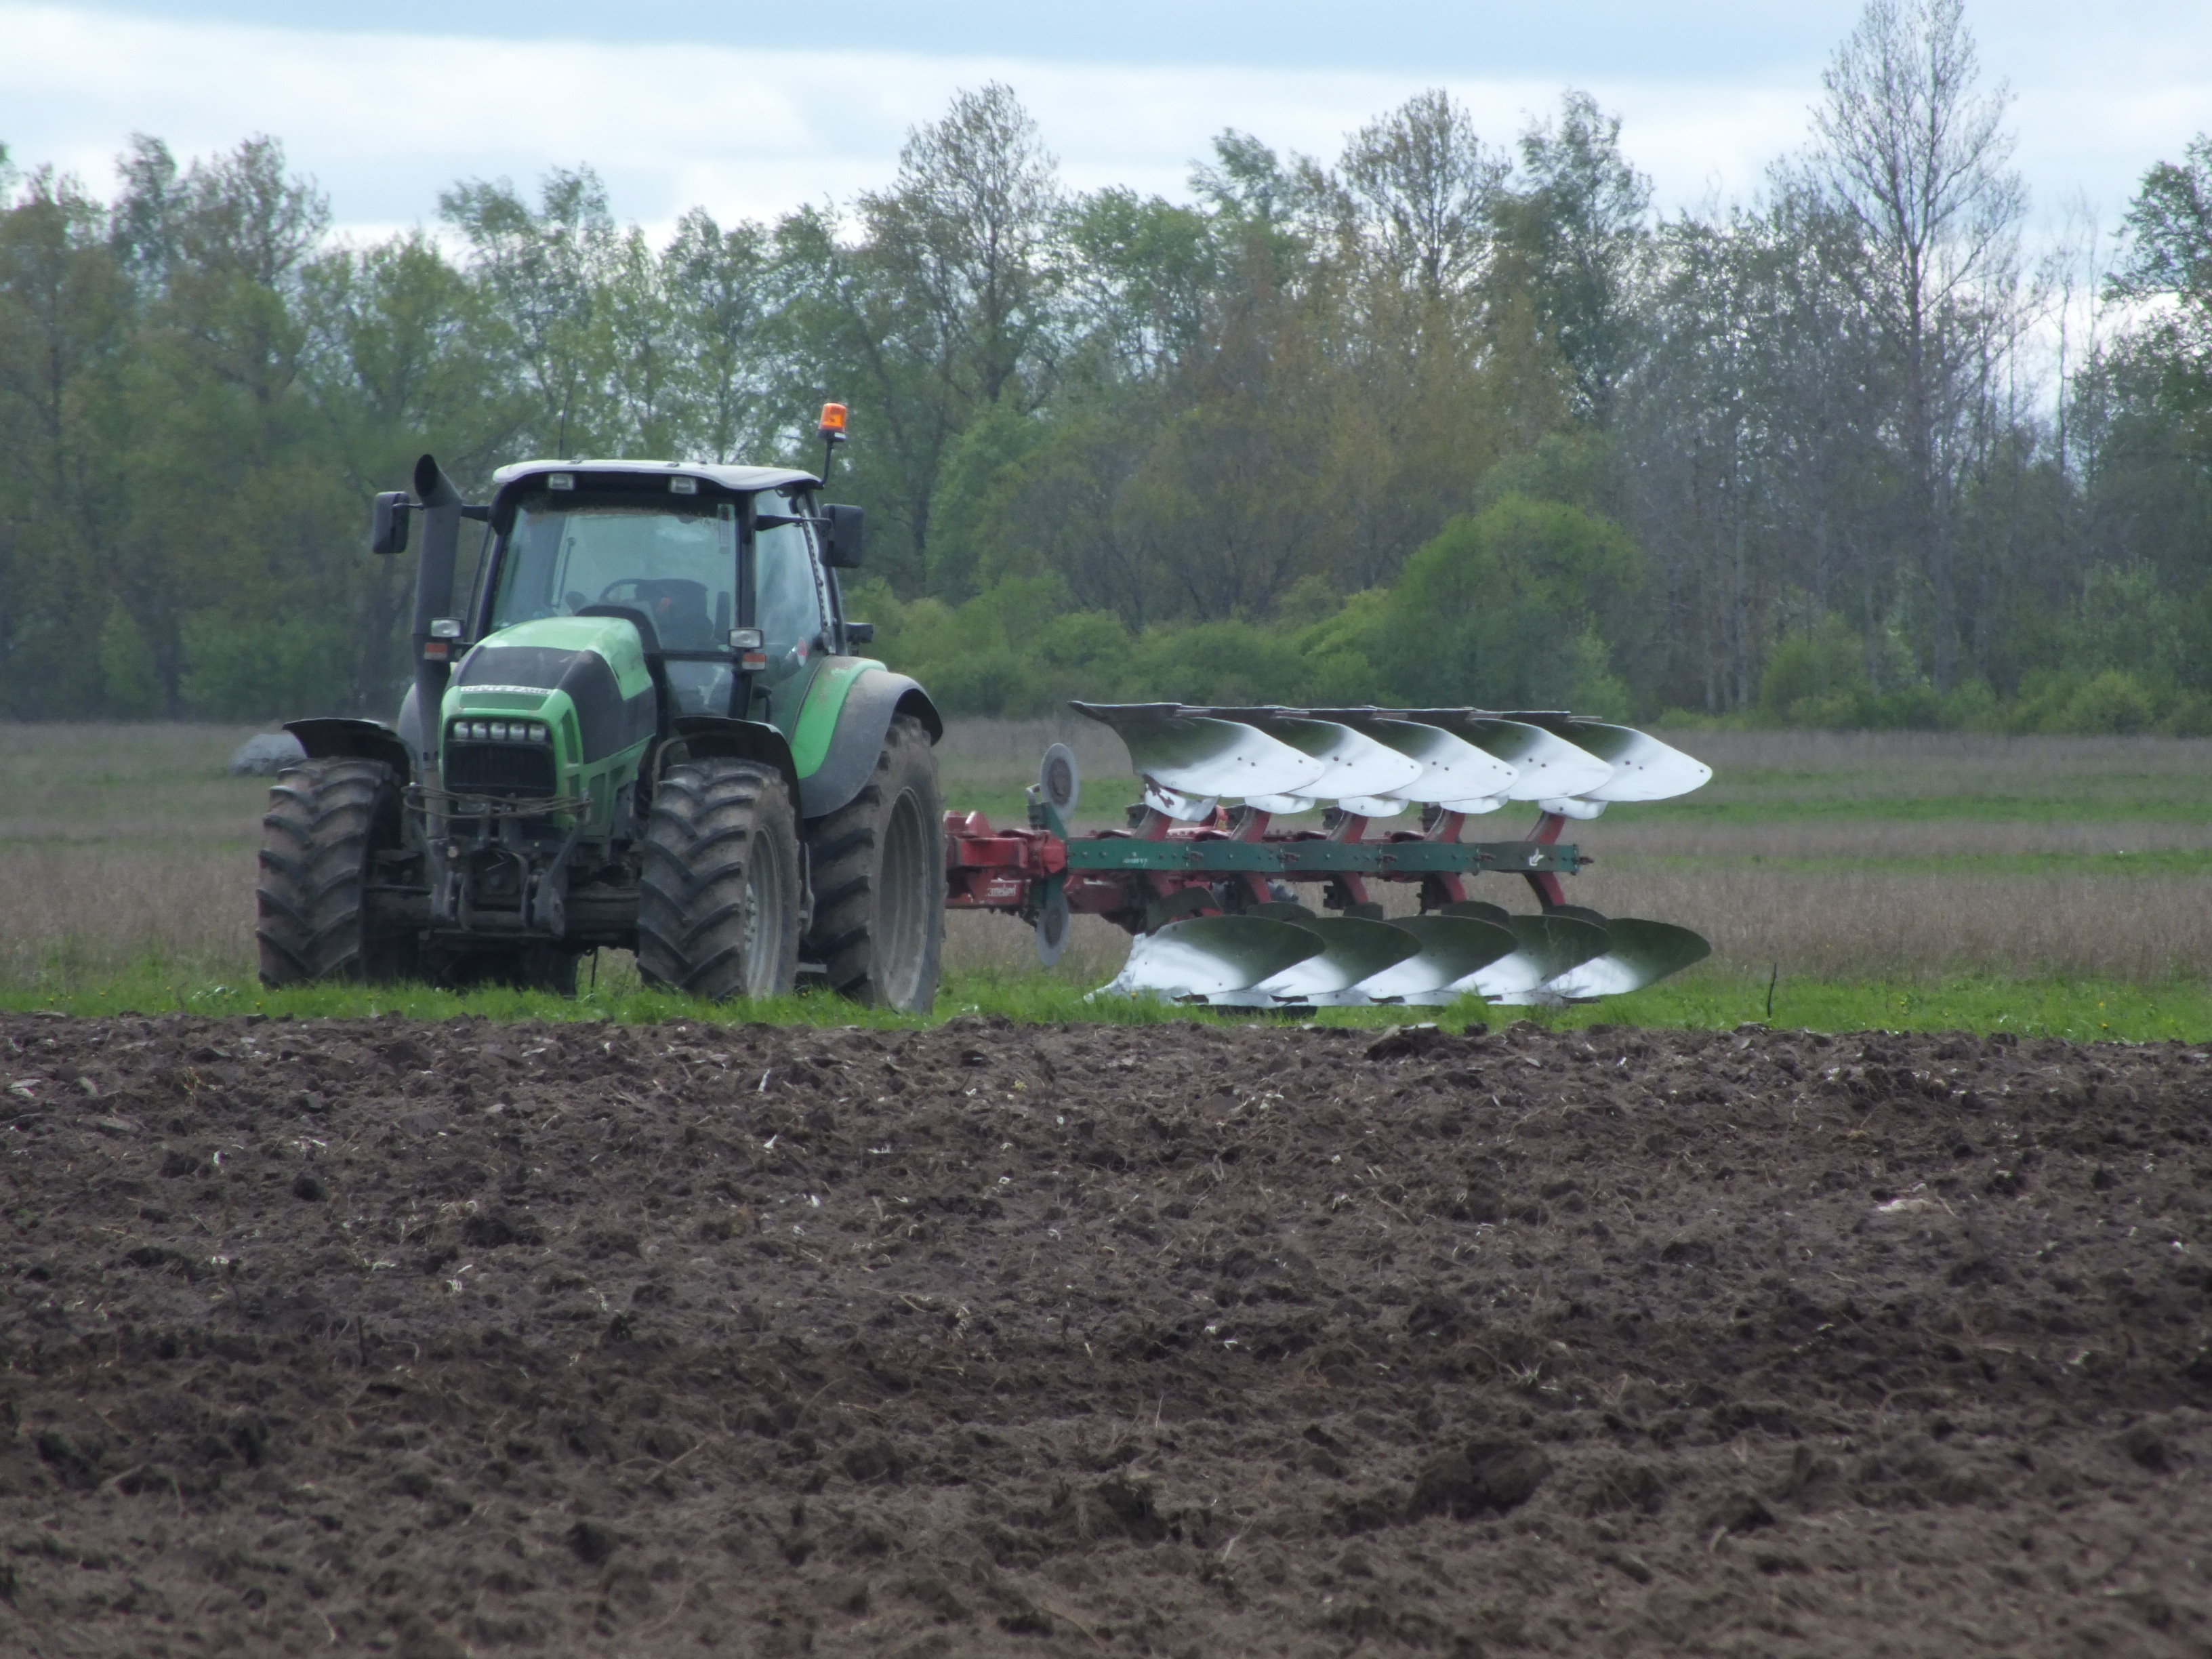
(434, 593)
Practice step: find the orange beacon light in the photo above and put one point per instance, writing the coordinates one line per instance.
(832, 433)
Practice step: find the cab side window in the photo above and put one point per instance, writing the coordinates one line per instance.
(789, 611)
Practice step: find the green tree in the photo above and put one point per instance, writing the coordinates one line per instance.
(1527, 604)
(1424, 189)
(401, 358)
(725, 288)
(66, 330)
(546, 271)
(2169, 258)
(1575, 235)
(946, 306)
(1916, 157)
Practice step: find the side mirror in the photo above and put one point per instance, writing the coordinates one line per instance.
(388, 523)
(860, 633)
(841, 539)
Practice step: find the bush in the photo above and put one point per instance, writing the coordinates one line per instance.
(2113, 703)
(126, 667)
(991, 682)
(1818, 678)
(242, 671)
(1221, 662)
(1527, 604)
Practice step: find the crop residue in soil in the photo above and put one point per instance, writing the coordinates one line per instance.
(428, 1340)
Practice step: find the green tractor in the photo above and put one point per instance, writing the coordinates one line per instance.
(641, 726)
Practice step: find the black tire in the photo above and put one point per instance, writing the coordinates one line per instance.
(327, 819)
(718, 894)
(878, 864)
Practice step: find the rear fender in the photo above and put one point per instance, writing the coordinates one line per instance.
(702, 736)
(359, 739)
(854, 738)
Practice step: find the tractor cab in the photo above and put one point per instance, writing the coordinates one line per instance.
(721, 571)
(619, 601)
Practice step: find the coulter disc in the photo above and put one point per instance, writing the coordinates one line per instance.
(1052, 925)
(1060, 782)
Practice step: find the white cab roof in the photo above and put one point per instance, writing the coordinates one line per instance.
(726, 478)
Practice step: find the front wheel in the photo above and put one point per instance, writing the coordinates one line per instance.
(327, 820)
(718, 894)
(878, 869)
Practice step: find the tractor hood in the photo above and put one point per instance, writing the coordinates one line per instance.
(593, 667)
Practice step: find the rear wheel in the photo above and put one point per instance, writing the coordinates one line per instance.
(327, 821)
(718, 894)
(878, 869)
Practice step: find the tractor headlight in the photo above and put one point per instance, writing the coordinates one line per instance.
(502, 731)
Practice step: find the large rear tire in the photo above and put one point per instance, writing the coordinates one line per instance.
(878, 864)
(327, 821)
(718, 894)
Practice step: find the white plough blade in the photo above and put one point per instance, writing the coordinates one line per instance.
(1208, 957)
(1373, 763)
(1548, 946)
(1283, 760)
(1202, 759)
(1338, 961)
(1352, 950)
(1451, 948)
(1641, 953)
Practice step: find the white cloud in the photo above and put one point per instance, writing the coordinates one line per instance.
(385, 120)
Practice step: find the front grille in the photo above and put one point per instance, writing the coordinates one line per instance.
(499, 768)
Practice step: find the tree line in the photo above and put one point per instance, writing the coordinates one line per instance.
(1442, 420)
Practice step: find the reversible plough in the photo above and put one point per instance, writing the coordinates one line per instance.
(1208, 885)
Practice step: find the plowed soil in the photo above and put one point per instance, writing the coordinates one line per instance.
(385, 1338)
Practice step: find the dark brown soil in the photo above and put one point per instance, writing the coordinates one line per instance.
(471, 1338)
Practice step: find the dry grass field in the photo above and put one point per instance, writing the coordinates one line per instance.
(1886, 855)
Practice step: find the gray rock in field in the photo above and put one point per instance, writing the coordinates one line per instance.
(266, 754)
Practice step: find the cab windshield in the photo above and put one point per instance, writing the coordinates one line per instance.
(679, 567)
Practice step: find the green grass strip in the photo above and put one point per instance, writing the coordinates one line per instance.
(2077, 1010)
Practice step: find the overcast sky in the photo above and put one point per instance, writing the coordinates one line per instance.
(750, 111)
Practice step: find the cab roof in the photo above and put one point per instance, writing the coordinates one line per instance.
(724, 477)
